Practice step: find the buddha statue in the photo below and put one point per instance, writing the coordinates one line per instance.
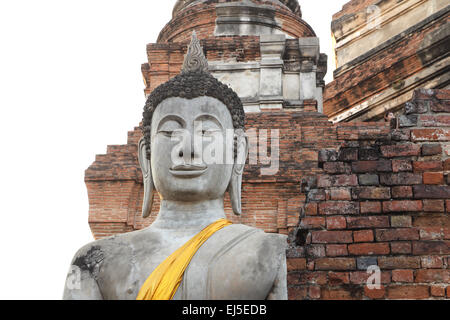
(232, 261)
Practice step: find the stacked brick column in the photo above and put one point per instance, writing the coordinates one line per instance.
(383, 200)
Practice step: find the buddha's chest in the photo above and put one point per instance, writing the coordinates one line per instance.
(122, 277)
(225, 268)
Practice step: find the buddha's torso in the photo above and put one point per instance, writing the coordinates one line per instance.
(237, 262)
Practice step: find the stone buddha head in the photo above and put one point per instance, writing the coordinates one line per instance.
(194, 147)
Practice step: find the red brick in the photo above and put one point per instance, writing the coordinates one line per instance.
(340, 194)
(348, 154)
(311, 209)
(431, 233)
(397, 234)
(361, 277)
(431, 192)
(338, 294)
(313, 222)
(310, 155)
(430, 135)
(401, 165)
(432, 221)
(447, 165)
(435, 121)
(402, 178)
(440, 106)
(401, 221)
(296, 264)
(338, 208)
(369, 249)
(306, 277)
(370, 207)
(367, 222)
(336, 167)
(446, 232)
(314, 292)
(437, 291)
(332, 237)
(433, 275)
(431, 247)
(336, 223)
(402, 206)
(433, 205)
(431, 149)
(402, 192)
(402, 276)
(315, 251)
(428, 166)
(297, 293)
(326, 181)
(401, 150)
(371, 166)
(412, 292)
(363, 236)
(375, 293)
(338, 278)
(400, 262)
(335, 250)
(317, 195)
(335, 264)
(432, 262)
(401, 247)
(433, 178)
(371, 193)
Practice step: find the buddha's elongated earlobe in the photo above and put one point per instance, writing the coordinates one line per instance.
(235, 186)
(147, 177)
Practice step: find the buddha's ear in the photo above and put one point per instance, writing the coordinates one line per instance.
(235, 186)
(147, 177)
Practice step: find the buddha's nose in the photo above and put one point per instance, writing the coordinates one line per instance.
(181, 154)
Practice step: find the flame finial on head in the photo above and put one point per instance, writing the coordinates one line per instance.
(195, 60)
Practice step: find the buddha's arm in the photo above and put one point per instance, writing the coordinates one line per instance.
(87, 290)
(81, 283)
(279, 289)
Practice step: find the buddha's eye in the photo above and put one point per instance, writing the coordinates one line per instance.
(210, 132)
(169, 128)
(207, 128)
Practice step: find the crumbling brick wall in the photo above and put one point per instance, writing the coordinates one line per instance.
(383, 199)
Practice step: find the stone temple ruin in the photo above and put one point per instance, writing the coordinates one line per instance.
(364, 172)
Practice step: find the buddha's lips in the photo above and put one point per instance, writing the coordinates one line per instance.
(188, 171)
(186, 167)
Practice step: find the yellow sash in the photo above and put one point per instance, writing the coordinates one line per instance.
(166, 278)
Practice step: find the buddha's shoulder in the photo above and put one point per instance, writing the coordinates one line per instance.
(95, 252)
(243, 262)
(255, 235)
(252, 242)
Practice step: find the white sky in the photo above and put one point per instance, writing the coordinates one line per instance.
(70, 84)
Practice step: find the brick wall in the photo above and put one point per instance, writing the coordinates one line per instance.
(388, 68)
(202, 18)
(382, 199)
(348, 195)
(166, 59)
(353, 7)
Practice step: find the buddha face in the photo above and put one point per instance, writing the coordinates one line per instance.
(190, 141)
